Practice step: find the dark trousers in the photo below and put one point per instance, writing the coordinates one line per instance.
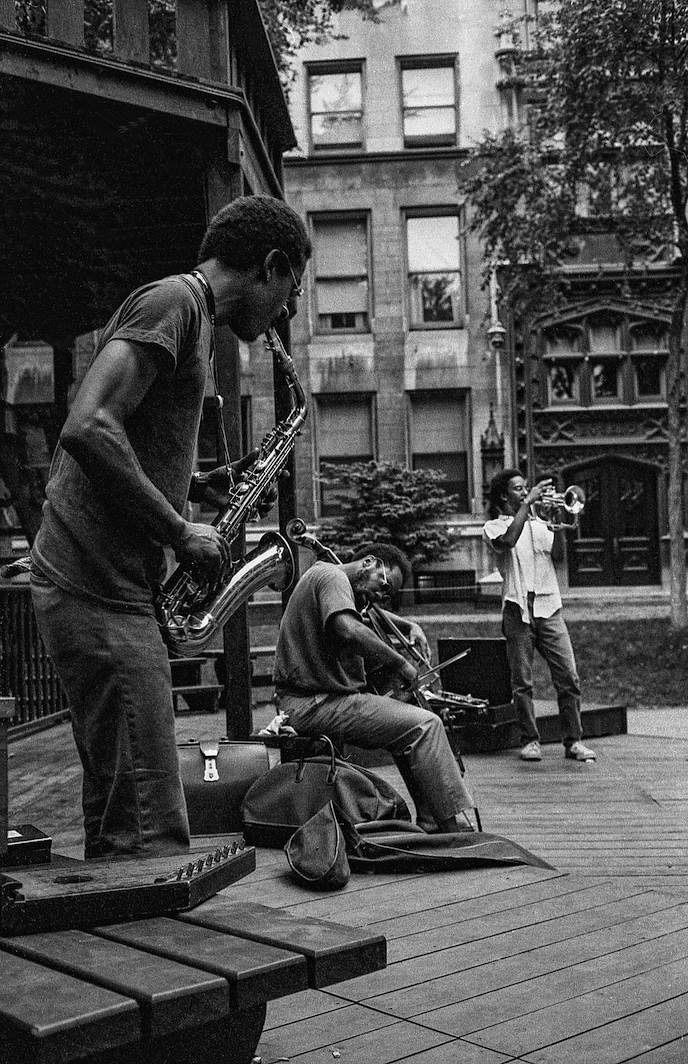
(550, 637)
(116, 674)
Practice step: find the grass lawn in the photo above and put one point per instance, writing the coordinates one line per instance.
(635, 663)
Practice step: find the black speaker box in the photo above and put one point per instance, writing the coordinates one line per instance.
(483, 673)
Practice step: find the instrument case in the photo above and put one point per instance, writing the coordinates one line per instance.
(216, 774)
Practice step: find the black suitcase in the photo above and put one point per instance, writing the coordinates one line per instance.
(216, 774)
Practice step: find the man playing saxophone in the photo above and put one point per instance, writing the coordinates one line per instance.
(532, 611)
(120, 479)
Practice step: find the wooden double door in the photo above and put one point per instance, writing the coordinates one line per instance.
(617, 543)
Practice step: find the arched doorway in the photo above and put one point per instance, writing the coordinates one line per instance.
(617, 543)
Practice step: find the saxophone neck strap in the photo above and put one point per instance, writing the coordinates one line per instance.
(219, 402)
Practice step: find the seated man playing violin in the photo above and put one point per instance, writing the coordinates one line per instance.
(324, 652)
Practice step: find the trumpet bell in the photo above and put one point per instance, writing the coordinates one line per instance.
(574, 499)
(560, 510)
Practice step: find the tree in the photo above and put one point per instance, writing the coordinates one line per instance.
(605, 86)
(291, 24)
(383, 502)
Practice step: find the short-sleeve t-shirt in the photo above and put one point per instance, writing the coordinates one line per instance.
(307, 658)
(527, 567)
(86, 543)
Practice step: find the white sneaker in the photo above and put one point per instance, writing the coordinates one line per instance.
(531, 751)
(579, 752)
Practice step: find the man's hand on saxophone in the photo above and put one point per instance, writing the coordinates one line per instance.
(204, 547)
(213, 488)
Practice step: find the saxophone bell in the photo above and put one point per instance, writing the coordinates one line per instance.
(269, 564)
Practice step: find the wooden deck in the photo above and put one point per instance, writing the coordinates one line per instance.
(585, 964)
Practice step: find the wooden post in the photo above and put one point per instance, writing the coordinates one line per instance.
(130, 33)
(8, 15)
(65, 21)
(7, 709)
(193, 38)
(223, 184)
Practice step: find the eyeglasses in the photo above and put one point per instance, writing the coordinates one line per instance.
(297, 289)
(386, 587)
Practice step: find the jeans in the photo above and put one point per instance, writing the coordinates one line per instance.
(116, 674)
(415, 737)
(550, 637)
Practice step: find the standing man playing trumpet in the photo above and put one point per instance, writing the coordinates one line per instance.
(532, 619)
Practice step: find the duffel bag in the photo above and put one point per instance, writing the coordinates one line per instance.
(288, 795)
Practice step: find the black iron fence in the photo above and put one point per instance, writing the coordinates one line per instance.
(26, 671)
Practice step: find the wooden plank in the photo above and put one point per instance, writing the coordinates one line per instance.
(130, 32)
(484, 978)
(48, 1017)
(321, 1032)
(333, 952)
(581, 1013)
(419, 920)
(193, 38)
(396, 1042)
(8, 15)
(624, 1039)
(518, 1000)
(666, 1053)
(65, 21)
(171, 996)
(577, 903)
(497, 947)
(255, 973)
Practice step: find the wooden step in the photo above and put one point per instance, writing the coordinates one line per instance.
(199, 698)
(187, 671)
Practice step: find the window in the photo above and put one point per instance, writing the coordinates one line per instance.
(434, 263)
(336, 108)
(344, 434)
(341, 273)
(428, 101)
(563, 382)
(605, 359)
(440, 437)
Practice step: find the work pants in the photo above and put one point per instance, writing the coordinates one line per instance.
(116, 675)
(415, 738)
(550, 637)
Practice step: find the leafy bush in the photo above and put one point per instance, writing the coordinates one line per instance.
(383, 502)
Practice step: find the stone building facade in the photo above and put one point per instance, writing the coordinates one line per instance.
(391, 339)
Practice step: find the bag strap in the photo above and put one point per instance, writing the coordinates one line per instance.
(332, 774)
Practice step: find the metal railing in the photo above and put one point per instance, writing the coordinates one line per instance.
(26, 671)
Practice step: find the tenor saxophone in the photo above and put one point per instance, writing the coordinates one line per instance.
(191, 609)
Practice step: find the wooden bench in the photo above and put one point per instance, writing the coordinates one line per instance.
(184, 988)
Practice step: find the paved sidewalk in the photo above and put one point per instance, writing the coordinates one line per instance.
(670, 722)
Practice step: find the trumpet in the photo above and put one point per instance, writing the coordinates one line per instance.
(560, 510)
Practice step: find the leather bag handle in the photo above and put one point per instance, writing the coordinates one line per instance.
(331, 775)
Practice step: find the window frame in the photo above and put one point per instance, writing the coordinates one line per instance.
(337, 217)
(322, 399)
(462, 397)
(349, 66)
(584, 360)
(429, 62)
(409, 213)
